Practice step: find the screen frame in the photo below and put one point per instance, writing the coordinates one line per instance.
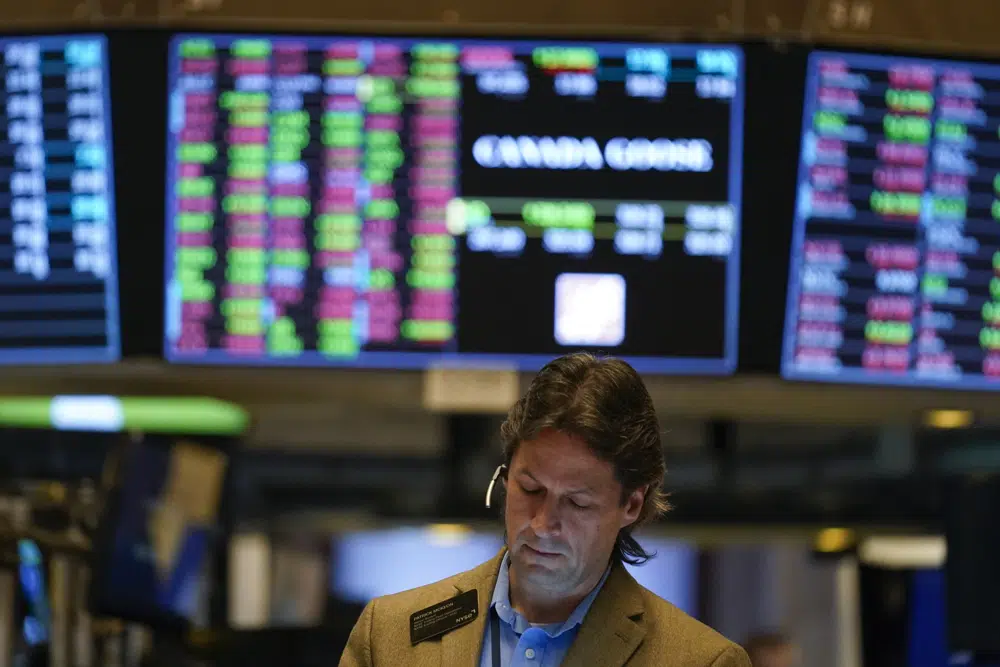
(726, 365)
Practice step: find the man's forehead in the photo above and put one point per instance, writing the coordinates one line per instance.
(557, 451)
(560, 466)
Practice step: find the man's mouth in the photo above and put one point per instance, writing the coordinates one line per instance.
(539, 552)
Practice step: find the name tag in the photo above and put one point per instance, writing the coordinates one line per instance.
(444, 617)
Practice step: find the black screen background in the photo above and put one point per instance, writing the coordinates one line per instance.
(675, 304)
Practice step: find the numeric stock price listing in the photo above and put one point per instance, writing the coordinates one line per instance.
(58, 269)
(895, 275)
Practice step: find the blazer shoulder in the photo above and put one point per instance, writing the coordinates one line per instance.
(672, 628)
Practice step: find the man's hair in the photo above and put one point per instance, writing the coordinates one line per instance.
(763, 643)
(604, 402)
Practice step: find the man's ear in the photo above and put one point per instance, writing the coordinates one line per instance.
(633, 505)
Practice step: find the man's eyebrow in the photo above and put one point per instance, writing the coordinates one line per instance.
(585, 489)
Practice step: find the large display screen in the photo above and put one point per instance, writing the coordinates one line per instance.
(384, 202)
(58, 284)
(895, 274)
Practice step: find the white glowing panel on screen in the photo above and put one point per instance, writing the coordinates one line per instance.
(590, 309)
(86, 413)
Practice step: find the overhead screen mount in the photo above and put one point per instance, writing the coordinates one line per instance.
(58, 273)
(895, 274)
(385, 202)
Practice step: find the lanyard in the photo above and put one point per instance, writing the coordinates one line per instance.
(495, 636)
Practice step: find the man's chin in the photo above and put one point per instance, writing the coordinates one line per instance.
(535, 573)
(541, 575)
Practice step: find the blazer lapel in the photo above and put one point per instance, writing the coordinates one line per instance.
(462, 647)
(613, 628)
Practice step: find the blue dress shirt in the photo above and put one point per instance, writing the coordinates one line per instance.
(523, 644)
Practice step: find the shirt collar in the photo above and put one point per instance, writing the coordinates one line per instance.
(501, 603)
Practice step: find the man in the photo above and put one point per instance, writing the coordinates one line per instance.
(771, 649)
(584, 467)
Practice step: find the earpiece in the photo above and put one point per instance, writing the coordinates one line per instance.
(493, 482)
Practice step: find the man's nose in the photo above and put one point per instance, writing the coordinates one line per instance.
(546, 521)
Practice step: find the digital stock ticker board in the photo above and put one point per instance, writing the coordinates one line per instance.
(395, 203)
(895, 274)
(58, 282)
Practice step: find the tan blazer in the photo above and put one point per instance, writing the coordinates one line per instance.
(627, 625)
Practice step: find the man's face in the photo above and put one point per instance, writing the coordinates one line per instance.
(563, 514)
